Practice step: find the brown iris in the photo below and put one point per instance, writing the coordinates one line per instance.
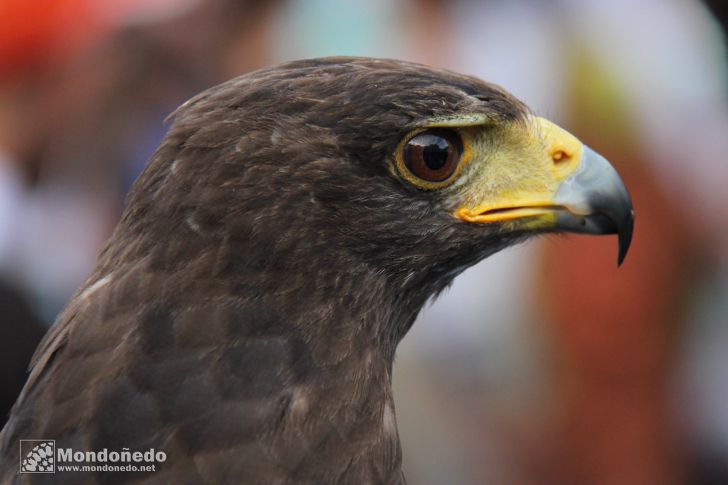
(433, 155)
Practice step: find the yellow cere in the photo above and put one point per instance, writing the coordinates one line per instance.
(516, 171)
(563, 147)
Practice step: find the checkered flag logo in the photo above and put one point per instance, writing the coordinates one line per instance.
(37, 456)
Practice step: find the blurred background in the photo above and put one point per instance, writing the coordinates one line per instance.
(544, 364)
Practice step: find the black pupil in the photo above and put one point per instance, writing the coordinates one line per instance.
(435, 151)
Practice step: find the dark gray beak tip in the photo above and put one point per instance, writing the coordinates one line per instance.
(625, 237)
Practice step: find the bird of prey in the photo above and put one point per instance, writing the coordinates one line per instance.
(244, 316)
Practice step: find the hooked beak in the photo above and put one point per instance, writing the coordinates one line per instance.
(595, 201)
(562, 185)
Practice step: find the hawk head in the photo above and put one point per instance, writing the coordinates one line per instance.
(368, 167)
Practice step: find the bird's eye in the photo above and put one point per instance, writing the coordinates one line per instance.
(433, 155)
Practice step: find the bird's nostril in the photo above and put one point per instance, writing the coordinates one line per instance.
(560, 156)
